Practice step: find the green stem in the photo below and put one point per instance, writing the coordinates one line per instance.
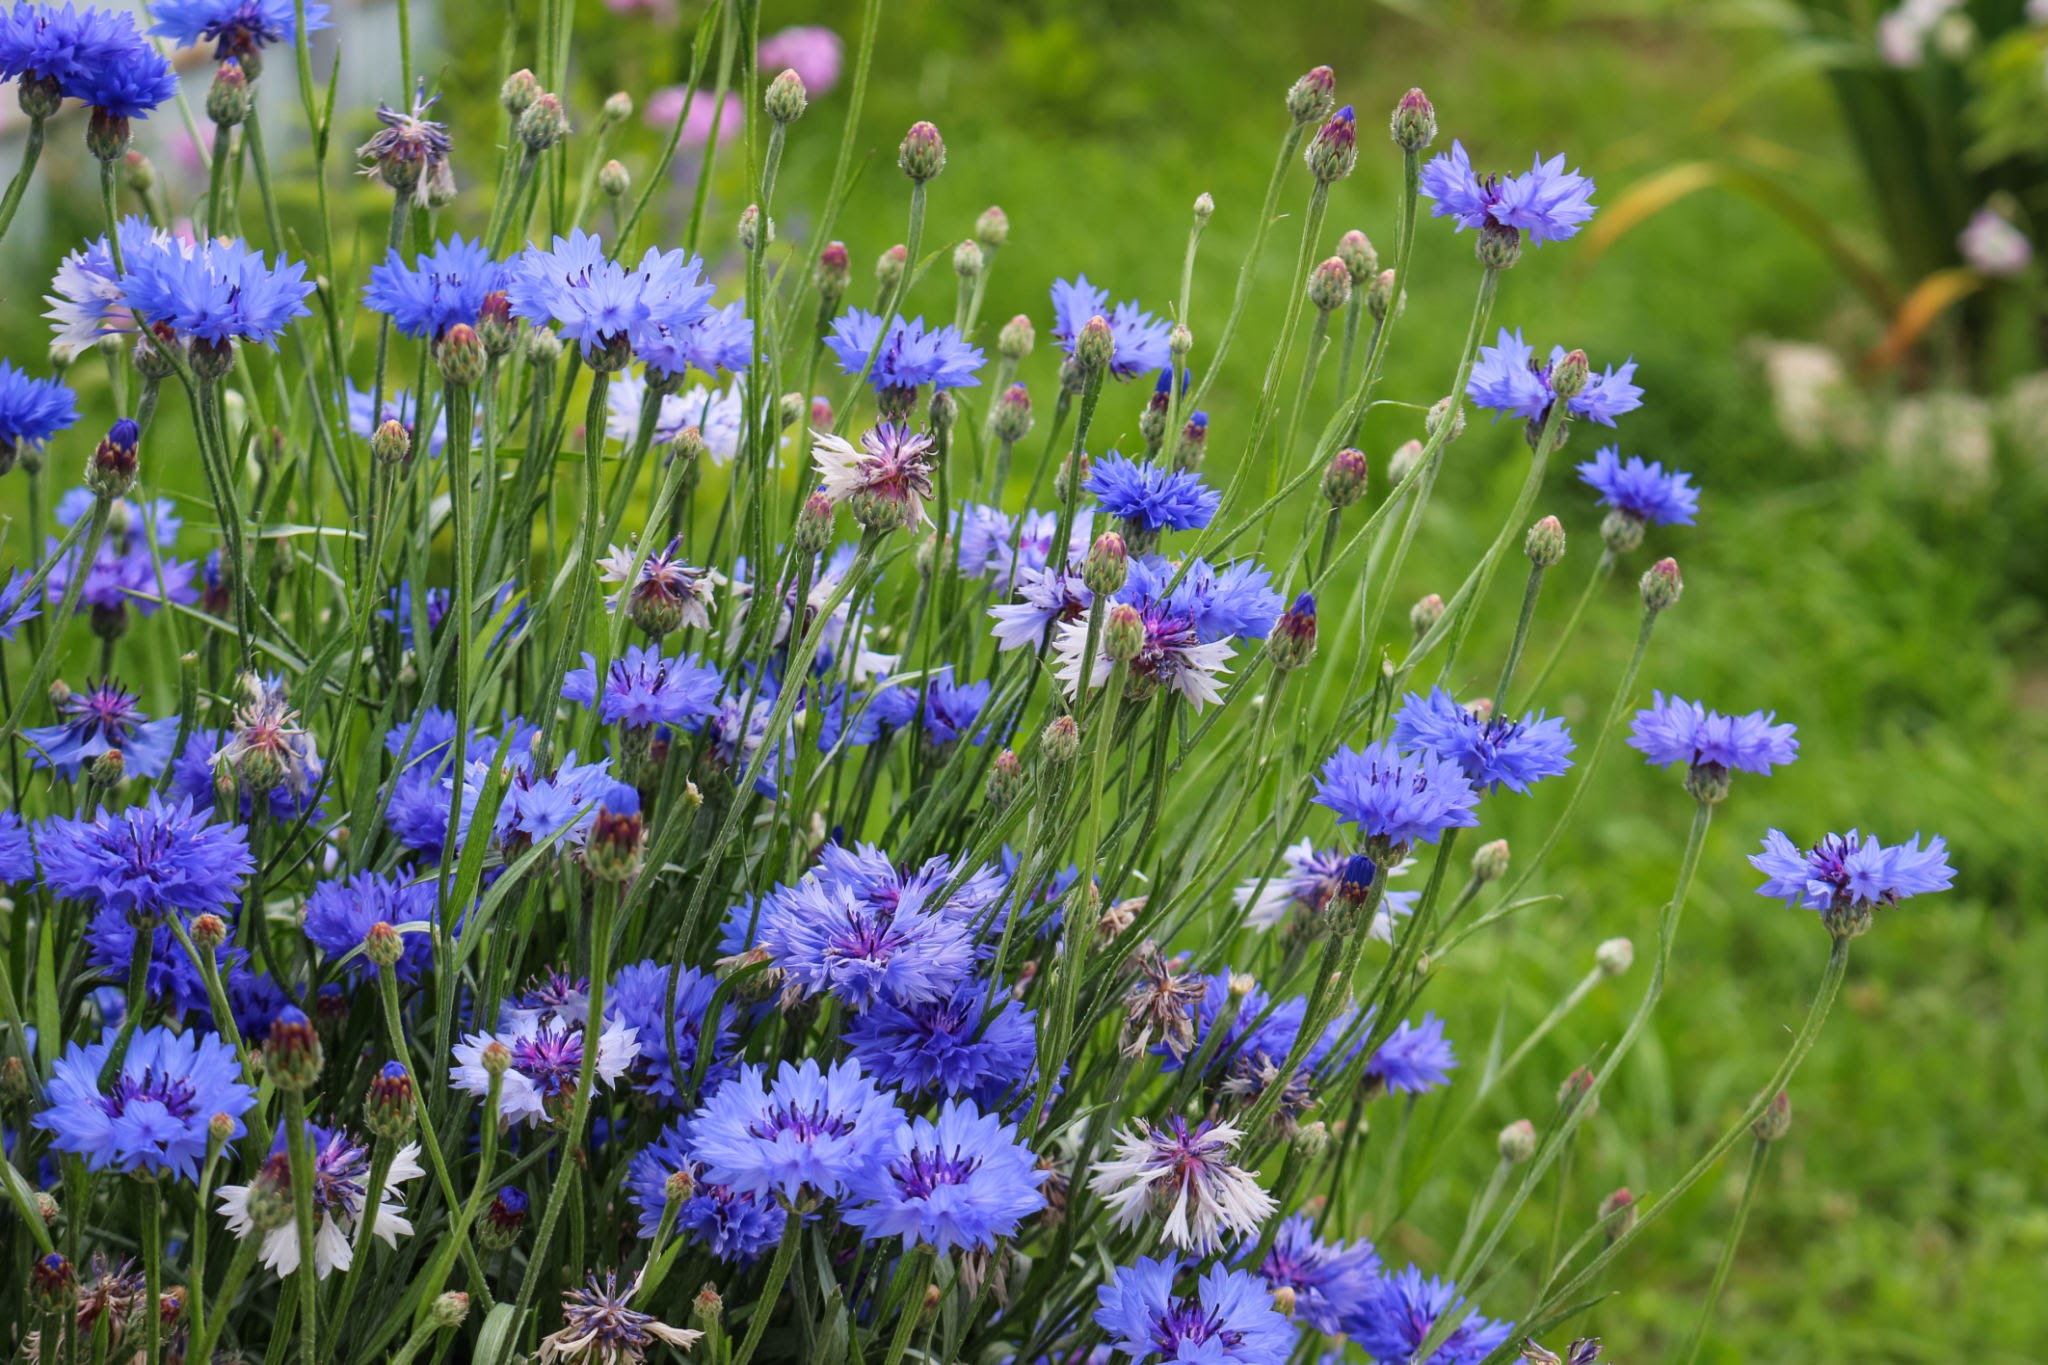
(299, 1153)
(151, 1201)
(31, 151)
(778, 1275)
(1603, 569)
(1752, 1176)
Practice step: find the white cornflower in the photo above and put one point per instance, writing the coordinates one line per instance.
(1188, 1175)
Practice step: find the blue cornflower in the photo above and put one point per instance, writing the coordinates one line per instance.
(17, 604)
(1394, 798)
(95, 56)
(1236, 600)
(1415, 1059)
(31, 411)
(133, 567)
(237, 28)
(643, 688)
(147, 860)
(1142, 343)
(1150, 499)
(828, 938)
(736, 1228)
(1228, 1318)
(811, 1129)
(339, 914)
(1312, 880)
(217, 291)
(950, 708)
(17, 853)
(438, 290)
(87, 301)
(959, 1183)
(105, 718)
(153, 1117)
(603, 306)
(639, 999)
(1325, 1277)
(1548, 202)
(910, 355)
(254, 998)
(1508, 380)
(172, 979)
(674, 335)
(1642, 491)
(1391, 1322)
(954, 1046)
(1851, 871)
(723, 339)
(1672, 730)
(1493, 752)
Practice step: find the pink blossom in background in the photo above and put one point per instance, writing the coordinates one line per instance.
(1993, 246)
(814, 53)
(665, 106)
(661, 9)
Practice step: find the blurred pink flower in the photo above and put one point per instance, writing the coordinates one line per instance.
(810, 51)
(665, 106)
(661, 9)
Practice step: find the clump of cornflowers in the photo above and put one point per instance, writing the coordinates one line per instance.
(238, 29)
(1641, 495)
(132, 568)
(963, 1045)
(1394, 798)
(1188, 1178)
(152, 1115)
(1492, 751)
(902, 360)
(1713, 746)
(31, 412)
(736, 1228)
(1141, 343)
(1147, 500)
(1847, 877)
(1508, 380)
(960, 1182)
(341, 1212)
(806, 1135)
(613, 313)
(1226, 1317)
(98, 57)
(214, 293)
(105, 718)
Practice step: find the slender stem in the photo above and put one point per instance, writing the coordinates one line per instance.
(150, 1198)
(1530, 592)
(1603, 569)
(299, 1153)
(1752, 1176)
(778, 1275)
(31, 151)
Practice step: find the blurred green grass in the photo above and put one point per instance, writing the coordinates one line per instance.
(1907, 1215)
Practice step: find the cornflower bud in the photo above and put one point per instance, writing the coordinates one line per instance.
(1354, 248)
(751, 235)
(1107, 566)
(1425, 613)
(1123, 634)
(1614, 956)
(1414, 122)
(1012, 419)
(14, 1084)
(614, 179)
(503, 1219)
(967, 259)
(110, 473)
(1180, 341)
(1490, 863)
(821, 413)
(889, 268)
(1618, 1214)
(1517, 1142)
(1329, 286)
(450, 1309)
(1776, 1119)
(1063, 478)
(106, 770)
(496, 1058)
(814, 525)
(1005, 779)
(1193, 446)
(1016, 339)
(389, 1108)
(1498, 247)
(292, 1054)
(1152, 421)
(707, 1308)
(1545, 543)
(1310, 99)
(138, 172)
(1313, 1139)
(679, 1186)
(1621, 532)
(519, 92)
(786, 97)
(382, 944)
(942, 414)
(391, 443)
(1662, 585)
(1347, 478)
(543, 347)
(106, 136)
(227, 99)
(1577, 1093)
(618, 107)
(1446, 409)
(1205, 208)
(922, 154)
(1379, 297)
(53, 1284)
(270, 1194)
(1061, 740)
(832, 273)
(1095, 347)
(1292, 642)
(691, 446)
(992, 229)
(1283, 1300)
(543, 124)
(40, 99)
(615, 848)
(1568, 377)
(1846, 920)
(461, 355)
(47, 1207)
(791, 408)
(1334, 152)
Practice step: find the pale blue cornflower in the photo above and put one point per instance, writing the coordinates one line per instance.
(1548, 202)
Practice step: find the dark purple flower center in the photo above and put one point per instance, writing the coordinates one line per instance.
(1186, 1320)
(175, 1094)
(552, 1058)
(805, 1125)
(338, 1172)
(105, 712)
(922, 1172)
(242, 31)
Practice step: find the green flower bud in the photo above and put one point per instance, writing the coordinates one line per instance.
(1545, 543)
(1662, 585)
(1310, 99)
(922, 154)
(786, 98)
(992, 229)
(1414, 123)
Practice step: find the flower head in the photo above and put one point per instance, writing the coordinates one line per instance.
(1642, 491)
(716, 415)
(31, 410)
(1672, 730)
(237, 28)
(1186, 1176)
(341, 1169)
(600, 1326)
(153, 1115)
(218, 291)
(1151, 499)
(1548, 202)
(146, 861)
(1324, 1276)
(1508, 380)
(644, 688)
(1851, 870)
(1492, 752)
(133, 566)
(96, 56)
(908, 356)
(410, 154)
(810, 1129)
(1229, 1319)
(1313, 879)
(829, 938)
(885, 481)
(1392, 1322)
(736, 1228)
(104, 718)
(1142, 343)
(1415, 1059)
(339, 914)
(547, 1061)
(958, 1046)
(957, 1183)
(441, 288)
(1394, 798)
(641, 998)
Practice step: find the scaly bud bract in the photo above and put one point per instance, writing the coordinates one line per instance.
(922, 154)
(1662, 585)
(1310, 99)
(1333, 153)
(786, 98)
(1107, 566)
(1123, 634)
(1329, 285)
(1545, 543)
(1354, 248)
(1414, 122)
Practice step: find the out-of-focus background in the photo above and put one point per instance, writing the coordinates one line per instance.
(1816, 241)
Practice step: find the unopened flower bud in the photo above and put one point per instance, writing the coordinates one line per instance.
(967, 259)
(1379, 297)
(1490, 862)
(220, 1129)
(1012, 418)
(1283, 1300)
(461, 355)
(1354, 249)
(1095, 347)
(1205, 208)
(1568, 377)
(1310, 99)
(833, 272)
(503, 1219)
(1061, 739)
(1414, 122)
(1292, 641)
(1618, 1213)
(1577, 1093)
(752, 238)
(786, 97)
(1333, 154)
(1662, 585)
(614, 179)
(922, 154)
(450, 1309)
(292, 1055)
(543, 347)
(678, 1187)
(270, 1194)
(1445, 409)
(382, 944)
(1545, 543)
(1425, 613)
(1312, 1139)
(14, 1083)
(53, 1284)
(389, 1107)
(1016, 339)
(814, 525)
(821, 413)
(1123, 634)
(391, 442)
(543, 124)
(1005, 779)
(1193, 446)
(1107, 565)
(1329, 286)
(138, 173)
(106, 770)
(110, 473)
(227, 99)
(47, 1207)
(519, 92)
(615, 848)
(495, 1059)
(1517, 1142)
(617, 108)
(1347, 478)
(889, 267)
(707, 1308)
(1615, 956)
(992, 229)
(1776, 1119)
(106, 136)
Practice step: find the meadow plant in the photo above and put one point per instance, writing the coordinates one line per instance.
(887, 874)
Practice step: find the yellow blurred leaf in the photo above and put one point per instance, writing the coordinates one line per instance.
(1927, 301)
